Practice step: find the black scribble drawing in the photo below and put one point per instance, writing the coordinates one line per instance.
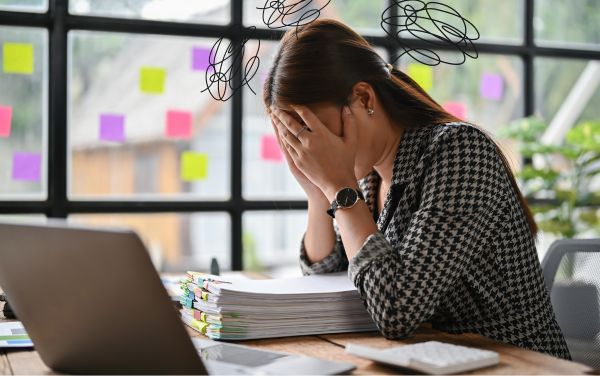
(435, 24)
(277, 14)
(224, 62)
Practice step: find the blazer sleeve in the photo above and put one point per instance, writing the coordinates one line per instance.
(401, 283)
(335, 262)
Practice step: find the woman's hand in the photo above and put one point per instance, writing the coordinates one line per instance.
(323, 158)
(313, 192)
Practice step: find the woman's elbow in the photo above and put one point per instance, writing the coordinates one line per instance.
(395, 327)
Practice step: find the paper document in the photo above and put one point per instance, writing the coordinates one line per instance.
(12, 334)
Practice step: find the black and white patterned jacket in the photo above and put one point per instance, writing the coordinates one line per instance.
(453, 247)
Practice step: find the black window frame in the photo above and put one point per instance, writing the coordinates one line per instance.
(58, 22)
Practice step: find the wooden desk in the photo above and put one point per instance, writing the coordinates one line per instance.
(513, 360)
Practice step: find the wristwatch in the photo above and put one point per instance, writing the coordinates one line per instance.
(345, 198)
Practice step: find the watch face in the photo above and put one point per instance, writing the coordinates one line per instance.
(346, 197)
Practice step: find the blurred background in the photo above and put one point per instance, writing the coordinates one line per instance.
(103, 119)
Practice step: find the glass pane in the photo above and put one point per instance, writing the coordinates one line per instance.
(265, 173)
(557, 80)
(271, 241)
(567, 22)
(176, 242)
(197, 11)
(36, 6)
(23, 113)
(139, 123)
(487, 91)
(364, 16)
(496, 21)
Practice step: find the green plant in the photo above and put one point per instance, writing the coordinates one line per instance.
(561, 174)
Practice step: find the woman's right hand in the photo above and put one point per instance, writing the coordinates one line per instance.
(313, 193)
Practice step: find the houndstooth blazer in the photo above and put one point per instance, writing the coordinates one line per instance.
(453, 247)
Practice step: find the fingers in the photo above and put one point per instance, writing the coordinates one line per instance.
(287, 121)
(289, 141)
(309, 118)
(349, 127)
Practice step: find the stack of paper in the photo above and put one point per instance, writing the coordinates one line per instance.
(247, 309)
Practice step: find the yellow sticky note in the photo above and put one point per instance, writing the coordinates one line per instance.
(422, 74)
(152, 80)
(194, 166)
(17, 58)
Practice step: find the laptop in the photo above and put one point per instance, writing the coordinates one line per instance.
(92, 302)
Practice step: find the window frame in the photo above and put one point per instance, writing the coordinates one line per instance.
(58, 22)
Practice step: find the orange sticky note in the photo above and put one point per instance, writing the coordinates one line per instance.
(422, 74)
(269, 149)
(194, 166)
(179, 124)
(457, 109)
(17, 58)
(5, 120)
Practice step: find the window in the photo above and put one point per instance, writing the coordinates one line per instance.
(103, 119)
(23, 113)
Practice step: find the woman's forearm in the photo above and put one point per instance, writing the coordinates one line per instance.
(320, 236)
(355, 224)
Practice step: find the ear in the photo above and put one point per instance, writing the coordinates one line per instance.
(362, 97)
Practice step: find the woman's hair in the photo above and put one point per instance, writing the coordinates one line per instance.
(322, 61)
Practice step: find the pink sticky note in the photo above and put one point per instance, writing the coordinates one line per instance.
(269, 149)
(457, 109)
(26, 166)
(179, 124)
(112, 127)
(491, 86)
(201, 59)
(5, 120)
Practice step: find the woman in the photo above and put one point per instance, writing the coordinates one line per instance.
(442, 233)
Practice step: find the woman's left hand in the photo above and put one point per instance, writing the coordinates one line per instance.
(325, 159)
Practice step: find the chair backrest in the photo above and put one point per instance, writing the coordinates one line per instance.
(572, 274)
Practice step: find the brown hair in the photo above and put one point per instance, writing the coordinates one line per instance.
(320, 63)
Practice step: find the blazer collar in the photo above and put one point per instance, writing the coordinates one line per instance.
(407, 157)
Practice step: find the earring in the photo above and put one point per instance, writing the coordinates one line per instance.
(370, 111)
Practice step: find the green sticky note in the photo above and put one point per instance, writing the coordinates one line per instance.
(422, 74)
(17, 58)
(194, 166)
(152, 80)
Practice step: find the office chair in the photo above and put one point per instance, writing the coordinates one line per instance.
(572, 274)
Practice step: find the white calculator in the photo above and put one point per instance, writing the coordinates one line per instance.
(430, 357)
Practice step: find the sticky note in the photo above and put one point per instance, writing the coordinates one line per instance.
(269, 149)
(457, 109)
(17, 58)
(112, 127)
(194, 166)
(201, 59)
(26, 166)
(179, 124)
(422, 74)
(491, 86)
(5, 120)
(152, 80)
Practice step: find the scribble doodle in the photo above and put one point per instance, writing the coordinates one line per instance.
(224, 64)
(436, 25)
(278, 14)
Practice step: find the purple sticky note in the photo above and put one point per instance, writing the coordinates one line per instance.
(26, 166)
(200, 59)
(491, 86)
(112, 127)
